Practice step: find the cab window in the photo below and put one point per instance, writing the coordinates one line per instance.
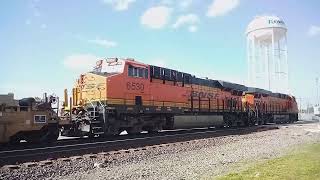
(137, 72)
(141, 72)
(130, 71)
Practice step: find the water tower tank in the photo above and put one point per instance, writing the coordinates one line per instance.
(267, 54)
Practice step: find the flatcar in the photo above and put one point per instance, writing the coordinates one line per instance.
(124, 94)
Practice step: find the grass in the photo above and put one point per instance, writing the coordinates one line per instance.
(301, 164)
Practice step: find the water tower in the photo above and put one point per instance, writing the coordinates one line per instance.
(267, 54)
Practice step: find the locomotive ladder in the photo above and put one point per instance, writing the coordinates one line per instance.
(96, 125)
(253, 114)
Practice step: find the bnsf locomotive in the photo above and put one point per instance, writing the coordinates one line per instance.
(123, 94)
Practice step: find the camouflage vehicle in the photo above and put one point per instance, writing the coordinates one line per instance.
(27, 119)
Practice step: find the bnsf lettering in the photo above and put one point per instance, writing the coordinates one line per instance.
(204, 95)
(135, 86)
(89, 86)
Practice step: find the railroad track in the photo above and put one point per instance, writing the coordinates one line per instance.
(15, 156)
(61, 142)
(74, 141)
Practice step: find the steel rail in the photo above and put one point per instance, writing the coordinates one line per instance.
(53, 152)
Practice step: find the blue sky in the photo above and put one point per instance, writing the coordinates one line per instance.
(46, 44)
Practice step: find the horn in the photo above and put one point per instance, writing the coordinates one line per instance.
(53, 99)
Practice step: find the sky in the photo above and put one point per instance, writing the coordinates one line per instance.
(45, 45)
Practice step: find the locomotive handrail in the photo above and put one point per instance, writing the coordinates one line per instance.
(104, 115)
(94, 108)
(101, 104)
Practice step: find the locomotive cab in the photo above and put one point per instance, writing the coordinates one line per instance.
(92, 86)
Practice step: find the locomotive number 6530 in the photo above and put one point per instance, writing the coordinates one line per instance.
(135, 86)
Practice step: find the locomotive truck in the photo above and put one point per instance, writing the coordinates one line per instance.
(124, 94)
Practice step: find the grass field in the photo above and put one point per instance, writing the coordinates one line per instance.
(301, 164)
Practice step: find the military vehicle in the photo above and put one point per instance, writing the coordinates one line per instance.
(28, 119)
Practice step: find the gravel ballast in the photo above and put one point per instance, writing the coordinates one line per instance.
(203, 158)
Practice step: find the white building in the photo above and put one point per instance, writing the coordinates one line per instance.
(267, 54)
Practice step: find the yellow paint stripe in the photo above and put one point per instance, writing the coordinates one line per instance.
(146, 103)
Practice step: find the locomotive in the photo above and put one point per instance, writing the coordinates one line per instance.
(124, 94)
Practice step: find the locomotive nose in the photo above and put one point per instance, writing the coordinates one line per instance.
(90, 87)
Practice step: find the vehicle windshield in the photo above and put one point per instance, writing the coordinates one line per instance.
(109, 66)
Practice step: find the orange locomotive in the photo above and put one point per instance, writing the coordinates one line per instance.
(123, 94)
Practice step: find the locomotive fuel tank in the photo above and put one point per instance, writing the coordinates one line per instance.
(197, 121)
(277, 118)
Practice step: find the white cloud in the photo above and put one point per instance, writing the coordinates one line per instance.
(314, 30)
(185, 4)
(190, 20)
(119, 5)
(156, 17)
(182, 4)
(103, 42)
(193, 28)
(185, 20)
(221, 7)
(80, 62)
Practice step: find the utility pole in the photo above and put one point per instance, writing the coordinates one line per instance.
(317, 89)
(300, 102)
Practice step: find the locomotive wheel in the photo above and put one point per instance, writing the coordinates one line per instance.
(42, 137)
(228, 120)
(52, 137)
(91, 135)
(53, 133)
(252, 121)
(35, 137)
(153, 129)
(114, 130)
(14, 140)
(134, 130)
(245, 120)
